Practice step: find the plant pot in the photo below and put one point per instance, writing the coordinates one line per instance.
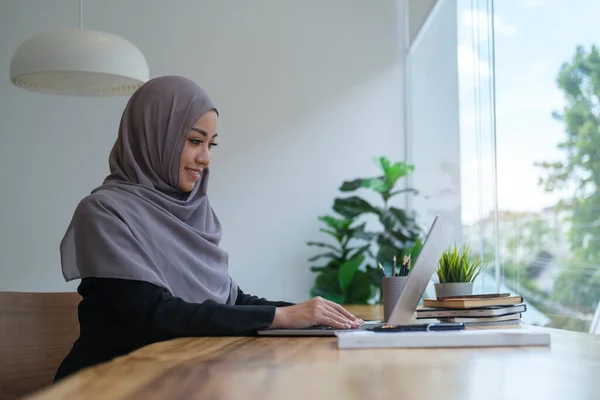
(453, 289)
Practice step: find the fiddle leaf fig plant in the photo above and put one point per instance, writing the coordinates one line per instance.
(349, 273)
(400, 233)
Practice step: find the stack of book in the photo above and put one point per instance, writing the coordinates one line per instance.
(479, 310)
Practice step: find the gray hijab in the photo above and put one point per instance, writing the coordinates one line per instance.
(138, 225)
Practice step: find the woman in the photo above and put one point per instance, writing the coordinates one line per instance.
(145, 243)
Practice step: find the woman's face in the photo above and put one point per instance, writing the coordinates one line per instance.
(197, 150)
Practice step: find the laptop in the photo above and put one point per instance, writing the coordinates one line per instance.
(437, 240)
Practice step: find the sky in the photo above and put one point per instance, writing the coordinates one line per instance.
(533, 38)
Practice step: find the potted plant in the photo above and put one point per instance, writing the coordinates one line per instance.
(350, 273)
(399, 232)
(456, 272)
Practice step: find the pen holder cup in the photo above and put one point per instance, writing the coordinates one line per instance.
(391, 288)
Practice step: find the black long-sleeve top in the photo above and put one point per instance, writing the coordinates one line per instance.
(118, 316)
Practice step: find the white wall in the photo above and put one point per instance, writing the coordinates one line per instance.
(433, 123)
(308, 93)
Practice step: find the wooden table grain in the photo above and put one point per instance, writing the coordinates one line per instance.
(313, 368)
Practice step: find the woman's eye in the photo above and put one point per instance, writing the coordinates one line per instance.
(197, 142)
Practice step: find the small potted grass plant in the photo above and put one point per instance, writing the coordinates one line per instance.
(456, 272)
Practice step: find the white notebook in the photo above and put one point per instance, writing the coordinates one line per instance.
(466, 338)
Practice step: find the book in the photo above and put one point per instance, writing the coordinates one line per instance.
(472, 302)
(426, 312)
(493, 324)
(483, 319)
(465, 338)
(478, 296)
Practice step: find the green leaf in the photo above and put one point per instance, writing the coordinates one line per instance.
(360, 289)
(332, 264)
(352, 207)
(415, 251)
(383, 163)
(347, 271)
(349, 186)
(360, 233)
(336, 223)
(398, 224)
(394, 227)
(374, 275)
(323, 255)
(388, 220)
(401, 215)
(326, 245)
(397, 171)
(379, 185)
(337, 236)
(407, 190)
(458, 265)
(327, 286)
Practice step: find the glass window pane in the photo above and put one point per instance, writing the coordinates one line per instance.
(529, 90)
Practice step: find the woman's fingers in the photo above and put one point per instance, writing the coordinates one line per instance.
(334, 320)
(354, 323)
(342, 311)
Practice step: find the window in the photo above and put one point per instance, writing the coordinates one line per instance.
(503, 122)
(529, 96)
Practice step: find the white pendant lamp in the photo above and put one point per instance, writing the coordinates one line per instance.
(78, 62)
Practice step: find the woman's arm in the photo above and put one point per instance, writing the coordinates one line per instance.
(162, 316)
(244, 299)
(159, 316)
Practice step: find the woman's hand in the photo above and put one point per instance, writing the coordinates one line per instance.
(316, 311)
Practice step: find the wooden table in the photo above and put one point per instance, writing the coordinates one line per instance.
(313, 368)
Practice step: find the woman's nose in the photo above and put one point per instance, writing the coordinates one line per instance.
(203, 156)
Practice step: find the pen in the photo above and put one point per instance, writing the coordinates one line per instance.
(405, 265)
(381, 269)
(402, 268)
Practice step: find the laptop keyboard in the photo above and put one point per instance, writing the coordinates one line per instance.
(328, 328)
(321, 328)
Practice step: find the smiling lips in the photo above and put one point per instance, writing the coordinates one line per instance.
(194, 173)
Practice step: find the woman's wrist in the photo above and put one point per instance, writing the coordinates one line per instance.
(279, 318)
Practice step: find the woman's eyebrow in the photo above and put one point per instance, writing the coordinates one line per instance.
(203, 132)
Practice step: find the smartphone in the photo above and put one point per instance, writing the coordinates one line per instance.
(437, 326)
